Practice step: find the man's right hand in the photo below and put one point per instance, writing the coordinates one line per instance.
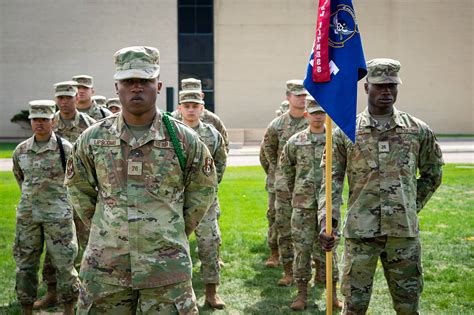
(327, 241)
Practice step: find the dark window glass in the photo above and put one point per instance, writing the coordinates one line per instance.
(187, 20)
(209, 100)
(201, 71)
(181, 2)
(204, 2)
(204, 19)
(196, 48)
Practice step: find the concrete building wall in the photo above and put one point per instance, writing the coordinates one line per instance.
(258, 46)
(44, 42)
(261, 44)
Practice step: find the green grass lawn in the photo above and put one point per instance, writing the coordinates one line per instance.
(447, 225)
(6, 149)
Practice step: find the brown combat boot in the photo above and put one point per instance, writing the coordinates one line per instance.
(26, 309)
(273, 260)
(319, 275)
(301, 299)
(48, 300)
(288, 277)
(212, 298)
(335, 301)
(68, 308)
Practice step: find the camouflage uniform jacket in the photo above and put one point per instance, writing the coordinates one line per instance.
(80, 123)
(40, 175)
(214, 142)
(300, 163)
(97, 112)
(385, 194)
(209, 117)
(277, 134)
(139, 205)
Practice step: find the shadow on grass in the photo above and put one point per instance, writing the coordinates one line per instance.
(276, 299)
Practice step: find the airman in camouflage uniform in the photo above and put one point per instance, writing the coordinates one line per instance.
(300, 164)
(386, 194)
(100, 100)
(283, 108)
(85, 86)
(114, 105)
(272, 236)
(277, 134)
(208, 234)
(126, 181)
(272, 241)
(44, 213)
(207, 116)
(68, 124)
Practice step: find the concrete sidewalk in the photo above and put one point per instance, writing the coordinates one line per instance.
(455, 150)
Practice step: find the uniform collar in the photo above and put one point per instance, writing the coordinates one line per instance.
(119, 129)
(74, 122)
(33, 146)
(366, 119)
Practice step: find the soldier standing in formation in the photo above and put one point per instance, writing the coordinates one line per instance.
(68, 124)
(44, 213)
(300, 164)
(283, 108)
(207, 116)
(142, 182)
(100, 100)
(273, 260)
(114, 105)
(208, 234)
(386, 194)
(277, 134)
(85, 103)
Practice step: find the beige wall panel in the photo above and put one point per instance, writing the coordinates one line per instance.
(261, 44)
(43, 42)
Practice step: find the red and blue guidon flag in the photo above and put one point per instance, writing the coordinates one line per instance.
(337, 62)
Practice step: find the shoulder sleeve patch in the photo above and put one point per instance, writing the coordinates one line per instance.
(208, 165)
(70, 169)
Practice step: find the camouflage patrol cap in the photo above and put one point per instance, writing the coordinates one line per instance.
(383, 70)
(65, 88)
(295, 87)
(190, 96)
(285, 105)
(191, 84)
(42, 109)
(114, 102)
(99, 99)
(84, 80)
(312, 106)
(140, 62)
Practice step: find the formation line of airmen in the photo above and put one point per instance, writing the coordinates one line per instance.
(393, 169)
(139, 182)
(123, 197)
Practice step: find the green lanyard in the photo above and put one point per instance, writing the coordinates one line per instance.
(175, 141)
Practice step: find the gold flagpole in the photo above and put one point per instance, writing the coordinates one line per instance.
(328, 212)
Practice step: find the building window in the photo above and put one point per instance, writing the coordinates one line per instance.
(196, 44)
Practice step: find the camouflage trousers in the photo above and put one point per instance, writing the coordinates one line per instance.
(49, 272)
(60, 239)
(304, 232)
(208, 237)
(272, 238)
(401, 261)
(283, 226)
(102, 298)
